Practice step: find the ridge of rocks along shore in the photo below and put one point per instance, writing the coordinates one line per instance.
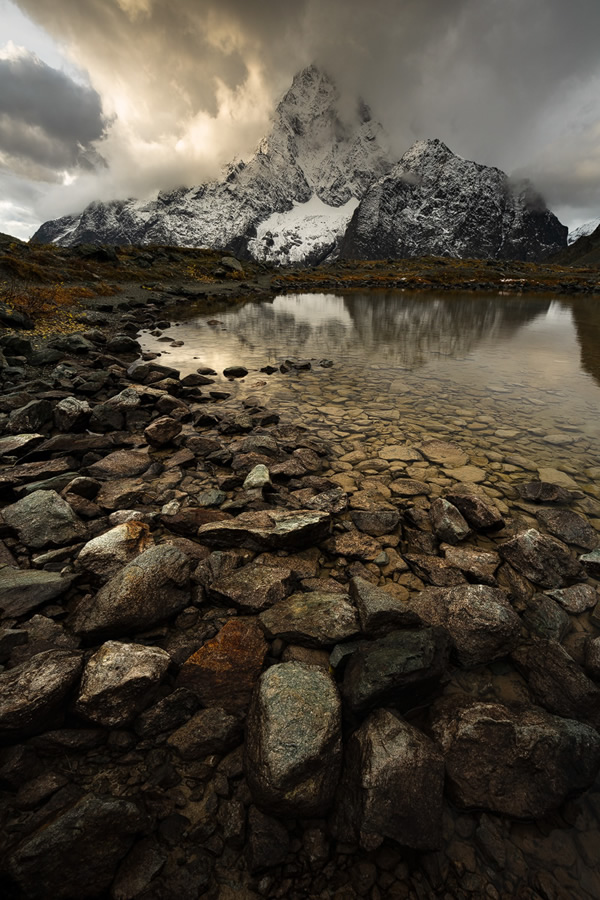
(226, 671)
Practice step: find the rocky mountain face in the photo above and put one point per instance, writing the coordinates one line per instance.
(585, 251)
(312, 164)
(436, 203)
(583, 231)
(321, 185)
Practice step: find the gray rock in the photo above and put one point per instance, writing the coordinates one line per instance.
(545, 618)
(106, 554)
(253, 588)
(76, 853)
(448, 523)
(162, 431)
(577, 598)
(30, 418)
(376, 522)
(591, 563)
(391, 787)
(71, 414)
(276, 529)
(592, 658)
(257, 479)
(22, 590)
(293, 741)
(208, 731)
(541, 559)
(118, 680)
(380, 611)
(150, 589)
(479, 619)
(32, 694)
(519, 761)
(42, 519)
(401, 668)
(314, 619)
(18, 444)
(556, 681)
(122, 344)
(235, 372)
(476, 507)
(569, 526)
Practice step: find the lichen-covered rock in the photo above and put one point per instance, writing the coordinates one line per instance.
(150, 589)
(448, 523)
(569, 527)
(479, 511)
(541, 559)
(293, 741)
(379, 611)
(106, 554)
(517, 761)
(42, 519)
(277, 529)
(391, 787)
(117, 680)
(315, 619)
(253, 588)
(71, 414)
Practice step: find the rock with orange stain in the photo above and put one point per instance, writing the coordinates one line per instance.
(224, 671)
(106, 554)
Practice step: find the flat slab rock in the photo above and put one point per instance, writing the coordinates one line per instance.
(570, 527)
(293, 740)
(272, 530)
(542, 559)
(517, 761)
(391, 787)
(315, 619)
(444, 453)
(254, 587)
(23, 590)
(43, 518)
(379, 611)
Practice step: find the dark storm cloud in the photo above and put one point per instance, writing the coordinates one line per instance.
(45, 116)
(514, 83)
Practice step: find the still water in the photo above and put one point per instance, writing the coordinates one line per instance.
(502, 375)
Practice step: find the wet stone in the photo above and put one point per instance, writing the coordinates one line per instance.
(542, 559)
(543, 492)
(447, 522)
(545, 618)
(479, 511)
(43, 518)
(569, 526)
(253, 588)
(313, 619)
(444, 453)
(378, 610)
(293, 741)
(408, 487)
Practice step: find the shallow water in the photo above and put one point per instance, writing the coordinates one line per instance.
(511, 375)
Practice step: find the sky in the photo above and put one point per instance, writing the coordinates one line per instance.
(106, 99)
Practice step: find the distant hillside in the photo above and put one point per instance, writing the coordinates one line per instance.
(584, 252)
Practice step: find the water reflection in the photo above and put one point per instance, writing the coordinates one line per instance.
(586, 318)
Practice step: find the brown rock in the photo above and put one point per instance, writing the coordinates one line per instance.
(162, 431)
(253, 588)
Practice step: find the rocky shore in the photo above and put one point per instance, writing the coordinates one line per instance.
(241, 661)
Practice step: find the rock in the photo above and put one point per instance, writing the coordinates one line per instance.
(224, 671)
(208, 731)
(380, 611)
(589, 561)
(117, 681)
(32, 694)
(106, 554)
(121, 493)
(543, 492)
(172, 711)
(162, 431)
(212, 498)
(353, 545)
(253, 588)
(147, 591)
(121, 464)
(592, 658)
(556, 477)
(268, 841)
(43, 518)
(257, 479)
(273, 530)
(541, 559)
(19, 444)
(478, 510)
(434, 570)
(30, 418)
(408, 487)
(123, 345)
(76, 853)
(569, 526)
(71, 414)
(557, 682)
(235, 372)
(517, 761)
(293, 741)
(23, 590)
(391, 787)
(314, 619)
(546, 619)
(401, 668)
(400, 452)
(477, 565)
(142, 863)
(447, 522)
(375, 522)
(479, 619)
(467, 474)
(443, 453)
(576, 599)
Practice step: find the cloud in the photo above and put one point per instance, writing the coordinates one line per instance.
(190, 84)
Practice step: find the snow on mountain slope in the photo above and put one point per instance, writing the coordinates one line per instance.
(310, 152)
(436, 203)
(309, 232)
(583, 231)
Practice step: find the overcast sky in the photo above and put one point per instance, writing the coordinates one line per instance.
(116, 98)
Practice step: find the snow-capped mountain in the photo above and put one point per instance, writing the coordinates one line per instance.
(436, 203)
(583, 231)
(301, 186)
(319, 185)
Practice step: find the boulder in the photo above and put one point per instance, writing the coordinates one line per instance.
(117, 681)
(569, 526)
(162, 431)
(476, 565)
(315, 619)
(391, 787)
(476, 507)
(76, 853)
(121, 464)
(150, 589)
(379, 611)
(276, 529)
(106, 554)
(253, 588)
(591, 563)
(402, 668)
(480, 620)
(23, 590)
(208, 731)
(575, 599)
(517, 761)
(32, 694)
(71, 414)
(43, 518)
(224, 671)
(541, 559)
(293, 741)
(447, 522)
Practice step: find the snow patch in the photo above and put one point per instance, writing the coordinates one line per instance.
(583, 231)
